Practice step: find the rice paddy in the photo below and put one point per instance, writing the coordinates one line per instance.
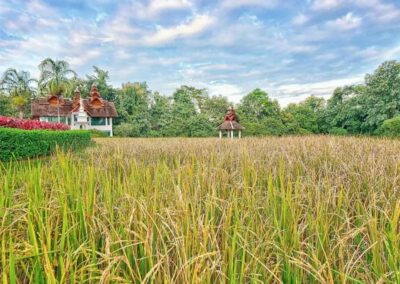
(312, 209)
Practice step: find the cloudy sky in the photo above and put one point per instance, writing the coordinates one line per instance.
(289, 48)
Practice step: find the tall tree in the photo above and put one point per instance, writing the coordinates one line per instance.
(101, 78)
(55, 76)
(260, 115)
(304, 117)
(214, 108)
(160, 114)
(133, 101)
(382, 95)
(346, 109)
(257, 105)
(19, 86)
(183, 109)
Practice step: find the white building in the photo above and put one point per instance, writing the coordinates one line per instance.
(90, 113)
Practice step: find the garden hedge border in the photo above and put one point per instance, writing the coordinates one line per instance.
(20, 144)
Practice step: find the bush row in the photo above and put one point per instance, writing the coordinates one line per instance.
(20, 144)
(29, 124)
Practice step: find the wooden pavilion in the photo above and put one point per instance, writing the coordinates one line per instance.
(230, 125)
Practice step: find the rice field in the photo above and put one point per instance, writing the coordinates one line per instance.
(312, 209)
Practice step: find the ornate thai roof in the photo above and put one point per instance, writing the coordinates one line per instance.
(95, 106)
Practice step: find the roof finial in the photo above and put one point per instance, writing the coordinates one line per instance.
(94, 92)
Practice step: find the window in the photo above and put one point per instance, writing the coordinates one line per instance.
(63, 119)
(99, 121)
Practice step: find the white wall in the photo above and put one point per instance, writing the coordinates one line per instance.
(107, 127)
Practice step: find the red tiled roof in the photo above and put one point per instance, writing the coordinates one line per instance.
(41, 107)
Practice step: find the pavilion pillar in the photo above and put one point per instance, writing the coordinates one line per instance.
(220, 134)
(240, 134)
(231, 134)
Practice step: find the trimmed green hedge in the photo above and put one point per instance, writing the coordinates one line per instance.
(20, 144)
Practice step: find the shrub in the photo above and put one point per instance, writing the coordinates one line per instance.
(338, 131)
(19, 144)
(267, 127)
(29, 124)
(127, 130)
(302, 131)
(200, 126)
(390, 127)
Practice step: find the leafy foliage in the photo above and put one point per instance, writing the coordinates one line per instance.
(126, 130)
(382, 96)
(200, 126)
(338, 131)
(6, 105)
(305, 116)
(133, 101)
(257, 105)
(390, 127)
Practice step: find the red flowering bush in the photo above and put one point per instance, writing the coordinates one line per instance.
(29, 124)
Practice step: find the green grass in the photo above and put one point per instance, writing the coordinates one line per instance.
(268, 210)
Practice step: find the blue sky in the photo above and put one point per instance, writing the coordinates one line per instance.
(289, 48)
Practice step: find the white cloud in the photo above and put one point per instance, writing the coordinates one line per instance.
(225, 89)
(240, 3)
(152, 8)
(157, 6)
(119, 30)
(347, 22)
(80, 61)
(328, 56)
(37, 7)
(392, 53)
(381, 12)
(300, 19)
(197, 25)
(378, 10)
(289, 93)
(322, 5)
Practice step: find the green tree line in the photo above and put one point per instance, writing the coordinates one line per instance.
(371, 108)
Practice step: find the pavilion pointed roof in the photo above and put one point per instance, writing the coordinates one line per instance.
(231, 121)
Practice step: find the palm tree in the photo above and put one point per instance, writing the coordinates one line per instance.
(55, 76)
(19, 87)
(101, 76)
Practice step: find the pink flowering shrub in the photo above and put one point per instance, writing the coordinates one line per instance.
(29, 124)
